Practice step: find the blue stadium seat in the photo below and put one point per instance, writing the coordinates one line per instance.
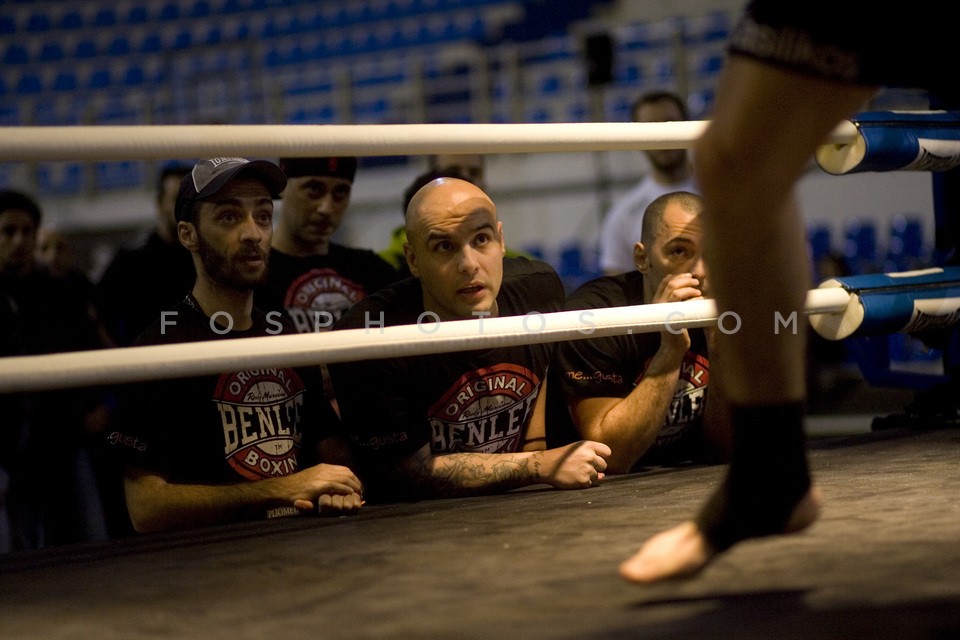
(99, 78)
(232, 6)
(183, 39)
(628, 74)
(51, 51)
(72, 19)
(29, 83)
(65, 80)
(60, 178)
(106, 16)
(213, 35)
(8, 25)
(124, 174)
(199, 9)
(663, 68)
(578, 111)
(39, 22)
(709, 65)
(860, 246)
(151, 42)
(321, 114)
(138, 14)
(169, 11)
(905, 250)
(134, 75)
(85, 48)
(550, 84)
(59, 111)
(10, 115)
(575, 265)
(16, 53)
(119, 46)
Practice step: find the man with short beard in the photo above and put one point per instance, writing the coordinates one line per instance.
(670, 170)
(242, 444)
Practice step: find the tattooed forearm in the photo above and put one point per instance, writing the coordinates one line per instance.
(463, 474)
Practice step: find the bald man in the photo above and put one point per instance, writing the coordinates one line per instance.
(645, 394)
(463, 423)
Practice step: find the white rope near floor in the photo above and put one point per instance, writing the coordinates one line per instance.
(134, 364)
(159, 142)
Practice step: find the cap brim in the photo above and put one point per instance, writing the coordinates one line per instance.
(270, 174)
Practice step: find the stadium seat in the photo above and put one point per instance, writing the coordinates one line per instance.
(60, 178)
(151, 42)
(10, 114)
(100, 78)
(29, 83)
(58, 111)
(65, 80)
(51, 51)
(200, 9)
(138, 14)
(85, 48)
(182, 38)
(16, 53)
(119, 46)
(8, 25)
(905, 250)
(169, 11)
(134, 75)
(213, 35)
(860, 246)
(106, 16)
(72, 19)
(38, 22)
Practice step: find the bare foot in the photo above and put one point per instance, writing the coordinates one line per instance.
(684, 551)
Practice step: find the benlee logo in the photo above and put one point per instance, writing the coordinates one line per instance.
(689, 397)
(486, 410)
(260, 412)
(318, 298)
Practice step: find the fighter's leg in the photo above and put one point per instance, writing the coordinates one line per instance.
(766, 124)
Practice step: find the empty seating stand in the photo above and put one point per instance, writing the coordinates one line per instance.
(172, 51)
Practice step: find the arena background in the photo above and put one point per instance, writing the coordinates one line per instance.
(401, 61)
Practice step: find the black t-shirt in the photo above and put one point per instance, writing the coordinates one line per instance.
(227, 428)
(477, 401)
(612, 366)
(139, 284)
(41, 313)
(314, 291)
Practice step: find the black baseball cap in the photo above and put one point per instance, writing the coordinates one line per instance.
(210, 175)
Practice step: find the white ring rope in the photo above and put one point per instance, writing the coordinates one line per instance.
(154, 362)
(101, 143)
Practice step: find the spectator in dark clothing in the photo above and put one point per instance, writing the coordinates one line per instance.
(141, 282)
(48, 486)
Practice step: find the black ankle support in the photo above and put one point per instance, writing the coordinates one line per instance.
(767, 476)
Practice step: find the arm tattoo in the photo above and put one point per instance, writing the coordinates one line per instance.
(463, 474)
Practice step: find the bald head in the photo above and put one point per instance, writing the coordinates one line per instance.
(455, 247)
(654, 213)
(445, 198)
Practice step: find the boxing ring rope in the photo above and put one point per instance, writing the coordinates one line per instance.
(153, 362)
(155, 142)
(838, 307)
